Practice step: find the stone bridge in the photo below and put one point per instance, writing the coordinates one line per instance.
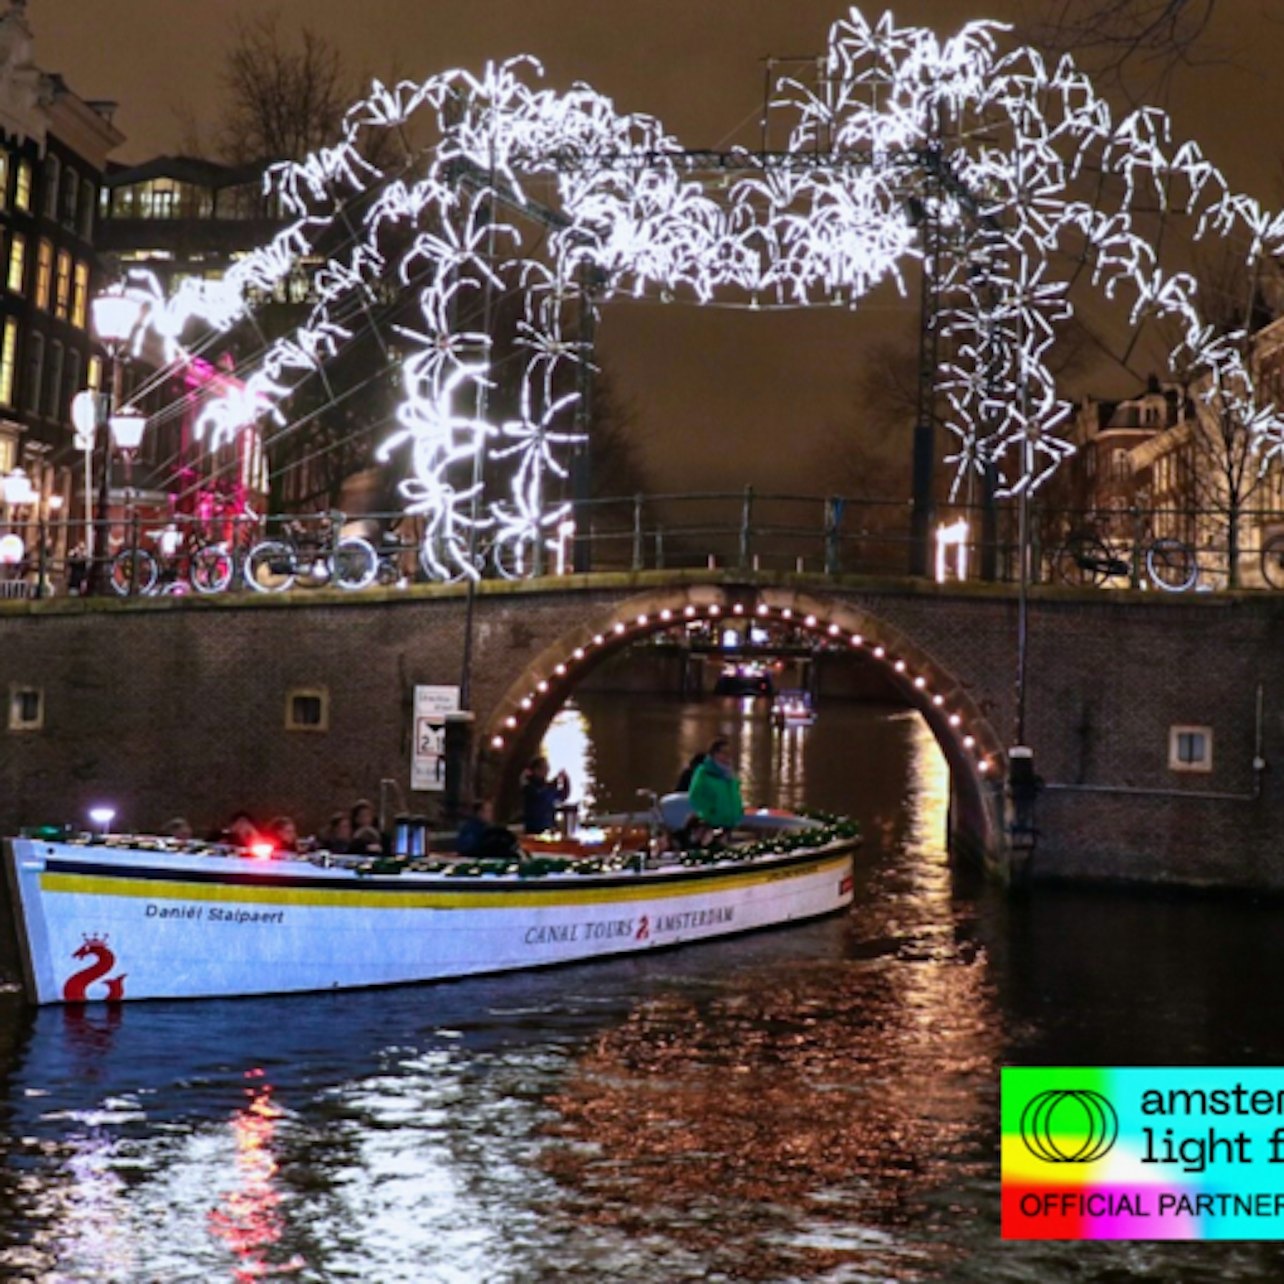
(179, 705)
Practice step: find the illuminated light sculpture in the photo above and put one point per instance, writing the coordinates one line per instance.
(954, 536)
(987, 144)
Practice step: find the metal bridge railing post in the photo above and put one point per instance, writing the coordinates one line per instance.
(833, 522)
(637, 533)
(42, 558)
(746, 529)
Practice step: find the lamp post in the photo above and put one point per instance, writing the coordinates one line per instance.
(84, 418)
(127, 435)
(116, 315)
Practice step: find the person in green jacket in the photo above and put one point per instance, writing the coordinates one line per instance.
(715, 790)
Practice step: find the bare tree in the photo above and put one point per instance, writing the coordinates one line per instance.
(1223, 470)
(618, 467)
(1132, 46)
(282, 100)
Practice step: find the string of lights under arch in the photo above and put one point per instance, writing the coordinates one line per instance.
(967, 738)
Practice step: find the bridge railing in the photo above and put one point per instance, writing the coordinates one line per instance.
(740, 530)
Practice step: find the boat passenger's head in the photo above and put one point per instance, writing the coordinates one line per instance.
(241, 829)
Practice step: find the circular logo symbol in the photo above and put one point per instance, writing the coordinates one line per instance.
(1069, 1126)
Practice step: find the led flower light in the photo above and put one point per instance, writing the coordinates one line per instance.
(988, 144)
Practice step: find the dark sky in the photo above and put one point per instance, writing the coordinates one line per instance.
(760, 392)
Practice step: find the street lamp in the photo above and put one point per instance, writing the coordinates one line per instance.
(116, 316)
(17, 490)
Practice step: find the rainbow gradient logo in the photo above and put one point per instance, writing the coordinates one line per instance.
(1069, 1126)
(1161, 1152)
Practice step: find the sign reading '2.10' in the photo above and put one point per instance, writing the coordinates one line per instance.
(1131, 1153)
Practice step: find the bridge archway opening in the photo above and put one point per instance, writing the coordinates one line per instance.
(906, 675)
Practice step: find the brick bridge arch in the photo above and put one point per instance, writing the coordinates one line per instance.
(510, 734)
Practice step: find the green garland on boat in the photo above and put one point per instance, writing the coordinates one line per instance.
(832, 829)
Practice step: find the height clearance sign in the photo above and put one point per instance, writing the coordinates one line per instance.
(428, 765)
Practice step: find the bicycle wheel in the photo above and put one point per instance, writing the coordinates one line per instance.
(1273, 561)
(1171, 565)
(354, 563)
(270, 566)
(514, 559)
(212, 569)
(134, 572)
(1083, 561)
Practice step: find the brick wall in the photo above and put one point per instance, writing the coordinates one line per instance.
(177, 706)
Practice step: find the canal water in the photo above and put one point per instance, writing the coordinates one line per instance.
(816, 1103)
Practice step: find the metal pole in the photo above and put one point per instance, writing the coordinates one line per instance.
(89, 507)
(132, 518)
(1023, 557)
(479, 471)
(923, 511)
(42, 558)
(582, 460)
(102, 542)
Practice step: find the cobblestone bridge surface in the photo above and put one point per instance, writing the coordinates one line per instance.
(178, 705)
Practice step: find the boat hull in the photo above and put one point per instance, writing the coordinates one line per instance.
(120, 923)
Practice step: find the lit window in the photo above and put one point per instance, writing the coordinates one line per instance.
(22, 187)
(307, 709)
(44, 274)
(1190, 748)
(159, 198)
(62, 296)
(8, 356)
(4, 180)
(80, 296)
(17, 261)
(94, 377)
(26, 708)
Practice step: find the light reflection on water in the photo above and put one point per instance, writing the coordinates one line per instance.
(815, 1103)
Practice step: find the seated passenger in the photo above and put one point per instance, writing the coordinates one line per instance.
(715, 789)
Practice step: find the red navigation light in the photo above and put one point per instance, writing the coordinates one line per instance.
(262, 851)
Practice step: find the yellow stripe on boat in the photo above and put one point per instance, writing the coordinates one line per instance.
(644, 890)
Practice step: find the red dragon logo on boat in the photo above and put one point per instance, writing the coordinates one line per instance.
(77, 985)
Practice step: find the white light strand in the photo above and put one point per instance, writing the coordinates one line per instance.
(988, 144)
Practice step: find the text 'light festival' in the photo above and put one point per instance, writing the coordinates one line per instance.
(1004, 173)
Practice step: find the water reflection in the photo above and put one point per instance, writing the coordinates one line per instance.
(821, 1107)
(814, 1103)
(248, 1217)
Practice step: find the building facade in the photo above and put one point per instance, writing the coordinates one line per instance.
(53, 154)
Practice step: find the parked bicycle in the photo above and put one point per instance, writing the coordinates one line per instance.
(177, 562)
(1273, 560)
(1086, 558)
(312, 556)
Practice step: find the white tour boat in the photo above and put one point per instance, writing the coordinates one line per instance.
(115, 918)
